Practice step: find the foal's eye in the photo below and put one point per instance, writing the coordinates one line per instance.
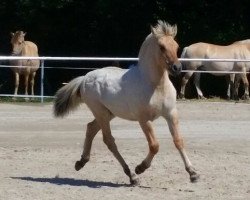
(162, 48)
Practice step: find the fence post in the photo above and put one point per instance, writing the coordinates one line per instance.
(42, 80)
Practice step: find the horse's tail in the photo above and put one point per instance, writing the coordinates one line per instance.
(68, 98)
(183, 55)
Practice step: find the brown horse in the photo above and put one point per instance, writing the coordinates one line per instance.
(27, 68)
(142, 93)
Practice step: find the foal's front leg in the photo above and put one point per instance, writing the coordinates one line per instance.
(153, 146)
(173, 123)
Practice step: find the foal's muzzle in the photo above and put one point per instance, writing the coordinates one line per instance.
(176, 68)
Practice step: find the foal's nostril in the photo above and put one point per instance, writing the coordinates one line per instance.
(176, 68)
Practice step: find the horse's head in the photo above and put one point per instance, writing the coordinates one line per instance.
(17, 42)
(166, 47)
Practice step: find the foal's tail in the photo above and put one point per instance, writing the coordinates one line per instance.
(68, 98)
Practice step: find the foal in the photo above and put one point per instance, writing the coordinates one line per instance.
(142, 93)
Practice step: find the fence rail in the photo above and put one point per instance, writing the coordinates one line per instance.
(50, 58)
(115, 59)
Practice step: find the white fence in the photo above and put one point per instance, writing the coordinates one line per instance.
(48, 58)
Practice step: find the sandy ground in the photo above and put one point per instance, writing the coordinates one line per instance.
(38, 152)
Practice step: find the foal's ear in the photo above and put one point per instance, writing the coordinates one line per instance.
(153, 31)
(11, 34)
(174, 30)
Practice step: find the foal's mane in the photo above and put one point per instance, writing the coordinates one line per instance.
(164, 29)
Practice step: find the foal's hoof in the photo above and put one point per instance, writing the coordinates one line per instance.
(134, 181)
(194, 177)
(79, 165)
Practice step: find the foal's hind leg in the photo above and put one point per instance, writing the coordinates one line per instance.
(92, 129)
(173, 123)
(153, 146)
(110, 142)
(103, 117)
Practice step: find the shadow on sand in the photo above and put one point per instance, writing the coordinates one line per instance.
(73, 182)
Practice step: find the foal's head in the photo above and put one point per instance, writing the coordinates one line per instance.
(17, 41)
(166, 47)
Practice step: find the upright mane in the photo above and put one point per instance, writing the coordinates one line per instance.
(17, 34)
(164, 29)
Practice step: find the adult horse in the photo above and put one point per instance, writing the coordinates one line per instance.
(141, 93)
(205, 50)
(28, 67)
(238, 77)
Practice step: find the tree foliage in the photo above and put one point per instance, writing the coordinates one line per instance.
(118, 27)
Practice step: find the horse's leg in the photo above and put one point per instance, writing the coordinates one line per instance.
(231, 92)
(26, 84)
(237, 80)
(173, 123)
(109, 140)
(103, 117)
(197, 77)
(243, 76)
(246, 87)
(232, 87)
(32, 82)
(92, 129)
(153, 146)
(184, 82)
(16, 85)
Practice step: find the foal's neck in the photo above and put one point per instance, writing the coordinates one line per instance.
(154, 72)
(151, 65)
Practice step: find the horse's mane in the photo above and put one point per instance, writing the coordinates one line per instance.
(163, 28)
(18, 34)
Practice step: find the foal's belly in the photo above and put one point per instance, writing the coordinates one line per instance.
(132, 110)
